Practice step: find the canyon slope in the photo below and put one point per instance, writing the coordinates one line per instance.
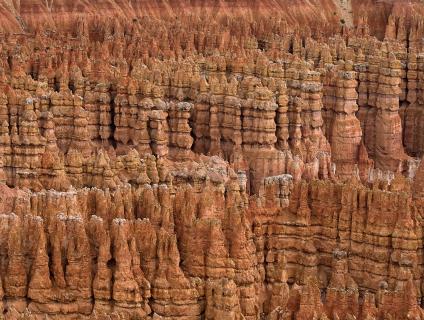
(212, 160)
(24, 15)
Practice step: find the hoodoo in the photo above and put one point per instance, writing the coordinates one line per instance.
(228, 160)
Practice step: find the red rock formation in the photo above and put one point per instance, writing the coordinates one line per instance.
(344, 129)
(227, 164)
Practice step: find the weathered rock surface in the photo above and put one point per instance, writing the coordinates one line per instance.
(218, 165)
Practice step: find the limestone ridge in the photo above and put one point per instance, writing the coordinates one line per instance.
(228, 167)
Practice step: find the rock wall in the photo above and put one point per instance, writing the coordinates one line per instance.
(197, 246)
(228, 167)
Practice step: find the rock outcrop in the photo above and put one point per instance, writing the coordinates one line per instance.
(224, 164)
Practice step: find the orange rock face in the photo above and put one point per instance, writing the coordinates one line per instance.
(235, 163)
